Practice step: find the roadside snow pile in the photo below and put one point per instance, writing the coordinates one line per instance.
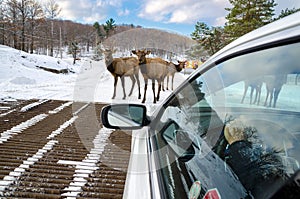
(31, 76)
(13, 56)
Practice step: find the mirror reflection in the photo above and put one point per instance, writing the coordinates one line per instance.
(126, 115)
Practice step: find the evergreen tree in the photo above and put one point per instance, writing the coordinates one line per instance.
(100, 32)
(248, 15)
(73, 49)
(286, 12)
(196, 52)
(212, 39)
(109, 26)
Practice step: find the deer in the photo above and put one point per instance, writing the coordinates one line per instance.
(171, 70)
(122, 67)
(255, 84)
(151, 68)
(274, 84)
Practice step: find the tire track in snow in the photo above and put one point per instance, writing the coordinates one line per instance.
(6, 135)
(13, 176)
(8, 112)
(32, 105)
(87, 166)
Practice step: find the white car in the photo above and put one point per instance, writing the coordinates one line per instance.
(231, 130)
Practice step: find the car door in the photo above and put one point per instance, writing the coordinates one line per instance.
(260, 90)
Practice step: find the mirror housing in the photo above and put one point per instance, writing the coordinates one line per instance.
(124, 116)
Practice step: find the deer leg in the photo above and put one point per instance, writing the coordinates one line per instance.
(163, 83)
(173, 82)
(267, 96)
(258, 94)
(153, 89)
(268, 93)
(167, 82)
(158, 92)
(145, 90)
(123, 86)
(133, 83)
(276, 93)
(245, 92)
(251, 94)
(138, 83)
(115, 85)
(271, 97)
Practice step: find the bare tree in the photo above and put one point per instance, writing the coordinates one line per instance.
(36, 17)
(23, 9)
(2, 22)
(52, 10)
(12, 20)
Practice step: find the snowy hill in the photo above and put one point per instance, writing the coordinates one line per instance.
(22, 76)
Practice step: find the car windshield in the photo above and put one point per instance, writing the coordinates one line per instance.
(241, 117)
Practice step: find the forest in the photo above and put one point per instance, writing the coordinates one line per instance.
(33, 27)
(29, 26)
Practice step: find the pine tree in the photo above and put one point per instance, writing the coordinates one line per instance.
(73, 49)
(210, 38)
(100, 32)
(286, 12)
(109, 26)
(248, 15)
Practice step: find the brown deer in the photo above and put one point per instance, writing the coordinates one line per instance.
(255, 85)
(274, 84)
(171, 70)
(122, 67)
(151, 68)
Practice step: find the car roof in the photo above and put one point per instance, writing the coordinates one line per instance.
(281, 29)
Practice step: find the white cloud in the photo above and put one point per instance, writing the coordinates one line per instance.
(191, 11)
(178, 12)
(220, 21)
(87, 11)
(124, 12)
(184, 11)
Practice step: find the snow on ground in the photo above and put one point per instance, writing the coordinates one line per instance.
(22, 77)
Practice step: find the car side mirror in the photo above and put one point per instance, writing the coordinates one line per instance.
(124, 116)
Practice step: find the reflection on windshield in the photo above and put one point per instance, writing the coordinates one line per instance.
(255, 166)
(255, 97)
(273, 86)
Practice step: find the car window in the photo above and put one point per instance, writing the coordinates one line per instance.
(240, 118)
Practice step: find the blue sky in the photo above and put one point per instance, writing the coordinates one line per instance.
(179, 16)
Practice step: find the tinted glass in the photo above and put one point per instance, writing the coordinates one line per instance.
(242, 117)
